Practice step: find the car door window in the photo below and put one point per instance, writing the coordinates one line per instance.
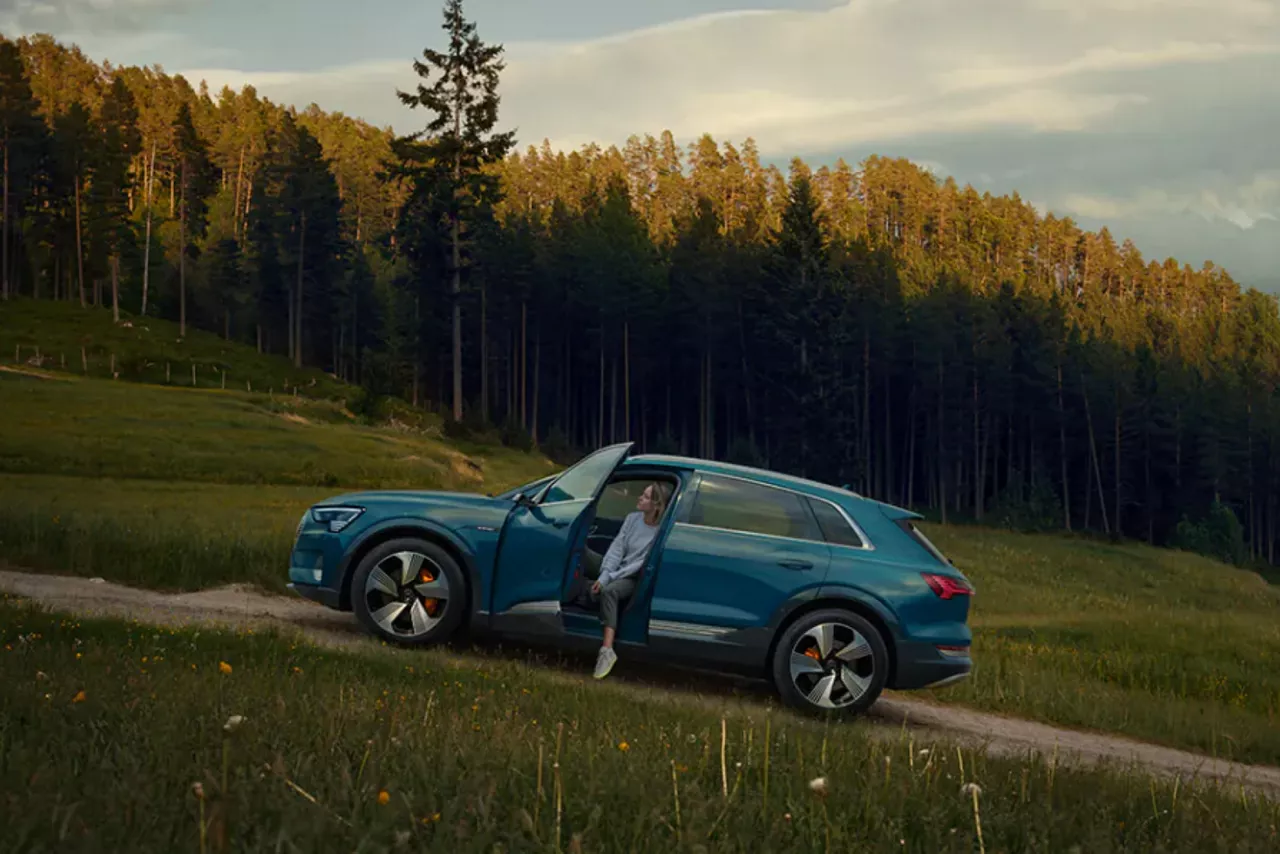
(581, 481)
(738, 505)
(618, 499)
(835, 528)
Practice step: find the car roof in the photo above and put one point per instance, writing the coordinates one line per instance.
(763, 475)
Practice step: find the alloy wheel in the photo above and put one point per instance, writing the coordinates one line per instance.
(832, 665)
(407, 594)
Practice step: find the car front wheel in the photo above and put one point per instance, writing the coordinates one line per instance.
(830, 662)
(409, 591)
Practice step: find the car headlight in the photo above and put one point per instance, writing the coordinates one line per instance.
(336, 518)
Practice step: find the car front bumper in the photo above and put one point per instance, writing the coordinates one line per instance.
(314, 566)
(923, 665)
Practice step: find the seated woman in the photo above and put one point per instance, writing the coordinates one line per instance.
(616, 575)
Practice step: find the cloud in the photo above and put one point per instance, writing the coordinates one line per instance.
(1243, 205)
(24, 17)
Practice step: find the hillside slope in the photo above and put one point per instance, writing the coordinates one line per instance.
(63, 337)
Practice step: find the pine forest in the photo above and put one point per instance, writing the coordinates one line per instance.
(865, 324)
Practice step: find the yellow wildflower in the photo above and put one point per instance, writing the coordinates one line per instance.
(224, 667)
(384, 798)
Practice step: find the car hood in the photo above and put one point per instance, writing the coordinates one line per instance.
(418, 499)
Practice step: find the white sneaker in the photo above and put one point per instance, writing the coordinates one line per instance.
(605, 662)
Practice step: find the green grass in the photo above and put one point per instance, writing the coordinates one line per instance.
(165, 535)
(100, 428)
(1152, 643)
(106, 728)
(51, 335)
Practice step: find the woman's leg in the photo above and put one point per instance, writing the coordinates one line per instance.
(610, 595)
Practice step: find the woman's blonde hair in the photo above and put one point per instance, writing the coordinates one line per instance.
(662, 495)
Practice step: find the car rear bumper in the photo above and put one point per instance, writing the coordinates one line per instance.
(315, 593)
(923, 665)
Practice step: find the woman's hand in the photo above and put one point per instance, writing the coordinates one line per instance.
(595, 587)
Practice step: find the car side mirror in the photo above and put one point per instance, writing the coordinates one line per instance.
(522, 500)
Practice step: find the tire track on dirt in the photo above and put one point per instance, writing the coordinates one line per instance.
(237, 606)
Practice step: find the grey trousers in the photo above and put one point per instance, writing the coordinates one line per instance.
(610, 594)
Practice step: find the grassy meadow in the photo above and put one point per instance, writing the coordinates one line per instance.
(180, 489)
(215, 741)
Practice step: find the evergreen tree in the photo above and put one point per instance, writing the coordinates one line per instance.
(450, 163)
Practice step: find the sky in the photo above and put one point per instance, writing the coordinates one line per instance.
(1159, 119)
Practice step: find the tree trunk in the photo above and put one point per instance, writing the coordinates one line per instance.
(456, 289)
(600, 422)
(941, 463)
(297, 316)
(626, 380)
(182, 258)
(115, 288)
(537, 373)
(524, 364)
(1116, 498)
(146, 249)
(1093, 454)
(1062, 444)
(977, 449)
(484, 352)
(746, 375)
(4, 256)
(79, 242)
(235, 207)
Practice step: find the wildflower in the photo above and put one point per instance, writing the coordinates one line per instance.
(233, 723)
(971, 789)
(623, 746)
(384, 797)
(197, 789)
(223, 667)
(40, 676)
(818, 785)
(78, 698)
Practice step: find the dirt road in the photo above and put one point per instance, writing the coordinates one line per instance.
(237, 606)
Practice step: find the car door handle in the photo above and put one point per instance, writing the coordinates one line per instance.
(796, 564)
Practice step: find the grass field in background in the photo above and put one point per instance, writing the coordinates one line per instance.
(370, 752)
(52, 335)
(1152, 643)
(99, 428)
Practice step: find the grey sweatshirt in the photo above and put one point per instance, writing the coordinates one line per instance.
(629, 549)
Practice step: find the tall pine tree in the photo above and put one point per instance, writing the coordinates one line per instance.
(460, 142)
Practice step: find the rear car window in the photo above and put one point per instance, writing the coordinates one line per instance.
(835, 528)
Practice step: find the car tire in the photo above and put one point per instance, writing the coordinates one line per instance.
(831, 678)
(371, 597)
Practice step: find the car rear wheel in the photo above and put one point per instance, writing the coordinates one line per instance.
(831, 662)
(409, 591)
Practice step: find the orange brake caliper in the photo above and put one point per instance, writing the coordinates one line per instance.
(425, 576)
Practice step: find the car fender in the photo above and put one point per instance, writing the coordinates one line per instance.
(866, 598)
(431, 528)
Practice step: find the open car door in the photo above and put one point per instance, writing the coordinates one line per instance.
(540, 532)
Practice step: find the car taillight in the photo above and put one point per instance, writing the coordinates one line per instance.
(946, 586)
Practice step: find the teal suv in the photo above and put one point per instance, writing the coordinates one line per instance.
(832, 596)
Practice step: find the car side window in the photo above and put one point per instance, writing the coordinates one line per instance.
(835, 528)
(580, 481)
(738, 505)
(619, 498)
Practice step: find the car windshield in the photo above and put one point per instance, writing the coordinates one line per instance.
(529, 489)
